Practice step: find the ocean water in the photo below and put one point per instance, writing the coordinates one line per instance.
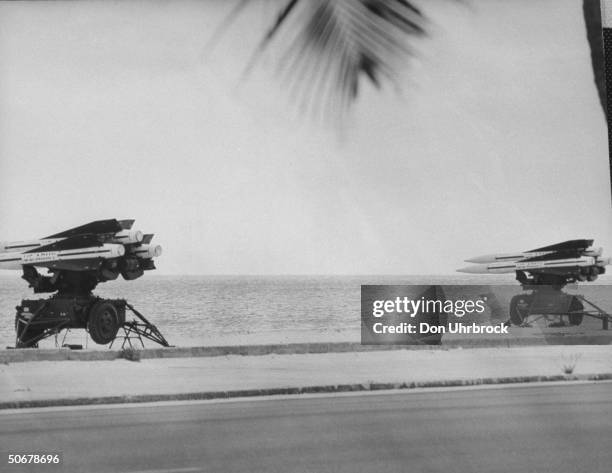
(220, 310)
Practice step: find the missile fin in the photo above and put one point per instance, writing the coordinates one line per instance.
(97, 227)
(570, 245)
(126, 224)
(71, 243)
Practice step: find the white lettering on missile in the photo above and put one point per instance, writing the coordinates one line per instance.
(39, 257)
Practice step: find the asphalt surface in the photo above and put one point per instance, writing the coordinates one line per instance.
(536, 428)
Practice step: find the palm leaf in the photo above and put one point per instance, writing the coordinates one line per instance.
(331, 46)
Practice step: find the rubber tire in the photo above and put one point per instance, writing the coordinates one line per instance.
(103, 322)
(576, 305)
(516, 317)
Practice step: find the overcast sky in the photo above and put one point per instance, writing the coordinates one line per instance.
(497, 143)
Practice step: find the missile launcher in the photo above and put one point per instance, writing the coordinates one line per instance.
(75, 262)
(544, 272)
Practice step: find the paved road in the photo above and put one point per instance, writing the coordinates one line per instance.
(560, 428)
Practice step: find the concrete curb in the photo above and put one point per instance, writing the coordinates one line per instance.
(29, 354)
(340, 388)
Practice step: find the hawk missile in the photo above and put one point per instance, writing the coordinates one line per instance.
(501, 257)
(85, 248)
(562, 262)
(502, 267)
(50, 258)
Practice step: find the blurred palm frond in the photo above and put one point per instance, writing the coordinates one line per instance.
(330, 46)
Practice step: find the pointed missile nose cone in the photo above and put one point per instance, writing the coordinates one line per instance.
(481, 259)
(473, 269)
